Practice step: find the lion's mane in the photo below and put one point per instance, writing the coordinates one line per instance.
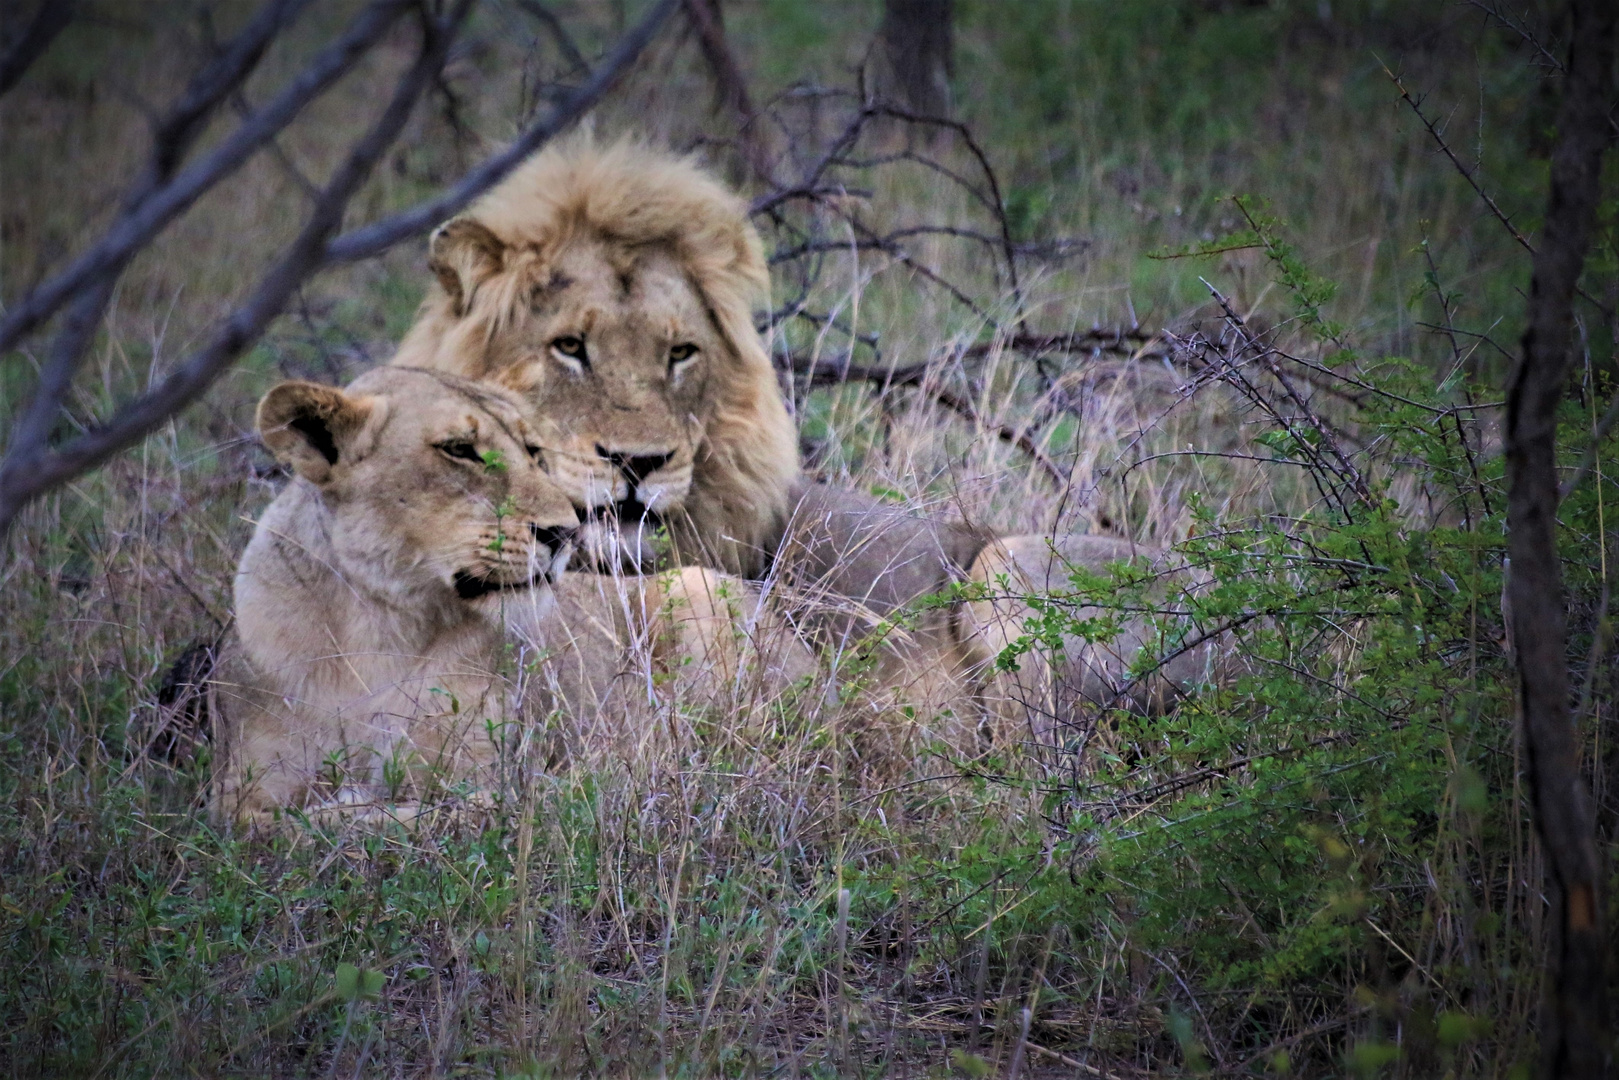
(629, 195)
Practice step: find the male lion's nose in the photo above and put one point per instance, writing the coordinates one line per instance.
(553, 536)
(635, 467)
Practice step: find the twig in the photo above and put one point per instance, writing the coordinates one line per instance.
(1072, 1063)
(1470, 177)
(1492, 12)
(966, 136)
(1604, 426)
(1467, 174)
(1345, 470)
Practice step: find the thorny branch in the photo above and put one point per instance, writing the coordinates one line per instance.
(1471, 176)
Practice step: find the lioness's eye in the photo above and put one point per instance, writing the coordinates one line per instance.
(571, 347)
(681, 353)
(534, 452)
(460, 448)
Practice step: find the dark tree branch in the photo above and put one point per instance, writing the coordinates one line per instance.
(730, 89)
(50, 19)
(178, 131)
(43, 469)
(371, 240)
(1574, 1016)
(140, 223)
(33, 469)
(172, 138)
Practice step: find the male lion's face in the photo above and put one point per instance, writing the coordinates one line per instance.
(433, 486)
(617, 348)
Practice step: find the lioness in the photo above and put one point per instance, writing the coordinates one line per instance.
(397, 608)
(370, 601)
(613, 289)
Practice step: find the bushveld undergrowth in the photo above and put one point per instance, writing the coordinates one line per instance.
(1320, 864)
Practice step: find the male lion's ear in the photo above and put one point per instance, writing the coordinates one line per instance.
(464, 254)
(313, 427)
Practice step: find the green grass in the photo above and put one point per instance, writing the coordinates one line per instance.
(1363, 905)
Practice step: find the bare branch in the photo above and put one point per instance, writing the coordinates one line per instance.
(1467, 174)
(30, 471)
(1491, 11)
(1344, 468)
(172, 139)
(379, 236)
(27, 477)
(140, 223)
(224, 75)
(731, 90)
(50, 19)
(1470, 175)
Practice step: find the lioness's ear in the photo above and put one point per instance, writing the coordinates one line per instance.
(313, 427)
(464, 255)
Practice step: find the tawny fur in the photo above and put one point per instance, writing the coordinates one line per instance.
(632, 252)
(398, 619)
(372, 601)
(859, 571)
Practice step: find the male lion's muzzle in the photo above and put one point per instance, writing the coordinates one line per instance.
(620, 534)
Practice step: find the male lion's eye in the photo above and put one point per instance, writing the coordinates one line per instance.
(681, 353)
(572, 348)
(459, 448)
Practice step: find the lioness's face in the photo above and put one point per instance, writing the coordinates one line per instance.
(433, 485)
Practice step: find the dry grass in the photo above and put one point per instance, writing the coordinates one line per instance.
(667, 898)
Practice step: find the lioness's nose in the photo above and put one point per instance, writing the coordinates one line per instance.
(553, 536)
(635, 467)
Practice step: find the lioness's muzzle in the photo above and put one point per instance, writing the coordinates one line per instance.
(555, 540)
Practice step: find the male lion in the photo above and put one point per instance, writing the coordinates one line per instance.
(613, 289)
(384, 601)
(867, 568)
